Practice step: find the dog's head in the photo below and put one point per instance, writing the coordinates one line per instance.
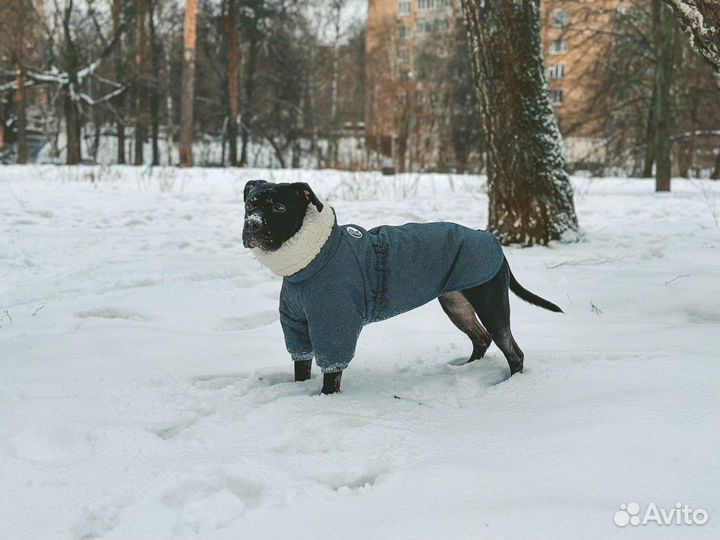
(275, 212)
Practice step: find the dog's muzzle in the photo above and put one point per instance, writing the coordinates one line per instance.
(252, 231)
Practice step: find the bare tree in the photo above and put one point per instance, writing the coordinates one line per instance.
(140, 80)
(233, 52)
(71, 106)
(20, 22)
(530, 193)
(153, 80)
(336, 10)
(664, 35)
(188, 84)
(119, 76)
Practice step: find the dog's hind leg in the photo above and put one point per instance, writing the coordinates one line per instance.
(462, 315)
(492, 305)
(303, 370)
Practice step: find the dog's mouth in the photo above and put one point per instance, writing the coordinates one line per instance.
(251, 241)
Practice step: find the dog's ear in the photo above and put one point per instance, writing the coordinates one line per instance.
(250, 185)
(306, 191)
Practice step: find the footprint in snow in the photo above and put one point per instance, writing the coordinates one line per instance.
(39, 443)
(96, 521)
(211, 503)
(249, 322)
(171, 429)
(244, 381)
(110, 313)
(345, 482)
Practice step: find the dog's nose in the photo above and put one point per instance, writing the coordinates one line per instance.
(252, 226)
(253, 223)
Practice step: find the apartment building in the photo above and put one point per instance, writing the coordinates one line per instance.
(400, 98)
(397, 94)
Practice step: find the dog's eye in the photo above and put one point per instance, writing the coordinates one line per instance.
(279, 208)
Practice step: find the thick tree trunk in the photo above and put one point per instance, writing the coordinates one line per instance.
(119, 76)
(72, 130)
(155, 52)
(140, 80)
(233, 80)
(531, 199)
(662, 24)
(188, 84)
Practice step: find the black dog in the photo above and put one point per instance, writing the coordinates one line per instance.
(338, 278)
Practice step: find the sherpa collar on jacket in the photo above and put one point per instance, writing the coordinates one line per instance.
(304, 246)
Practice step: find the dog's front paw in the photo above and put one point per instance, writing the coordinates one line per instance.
(331, 383)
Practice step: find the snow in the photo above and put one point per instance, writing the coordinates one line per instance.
(146, 392)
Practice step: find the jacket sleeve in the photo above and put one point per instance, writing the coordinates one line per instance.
(334, 324)
(295, 328)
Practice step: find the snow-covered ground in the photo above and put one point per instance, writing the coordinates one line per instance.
(145, 391)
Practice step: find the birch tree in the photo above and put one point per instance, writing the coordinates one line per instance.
(531, 199)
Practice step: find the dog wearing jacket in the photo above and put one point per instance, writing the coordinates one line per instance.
(338, 278)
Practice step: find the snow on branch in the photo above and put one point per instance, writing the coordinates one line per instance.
(701, 21)
(92, 102)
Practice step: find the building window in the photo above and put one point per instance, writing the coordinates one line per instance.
(404, 7)
(403, 32)
(560, 18)
(557, 72)
(404, 54)
(441, 25)
(424, 27)
(558, 46)
(402, 99)
(556, 96)
(422, 5)
(404, 76)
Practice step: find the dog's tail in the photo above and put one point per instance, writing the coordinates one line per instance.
(526, 295)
